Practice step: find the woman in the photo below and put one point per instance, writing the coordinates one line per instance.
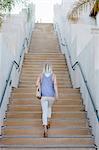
(48, 85)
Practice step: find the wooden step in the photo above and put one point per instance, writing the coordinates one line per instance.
(31, 90)
(76, 115)
(42, 57)
(41, 63)
(37, 65)
(48, 142)
(67, 85)
(31, 95)
(31, 80)
(34, 77)
(34, 108)
(35, 74)
(52, 132)
(28, 101)
(35, 69)
(60, 81)
(38, 72)
(51, 60)
(54, 123)
(44, 49)
(49, 55)
(40, 69)
(45, 54)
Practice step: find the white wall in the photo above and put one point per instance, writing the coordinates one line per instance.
(0, 59)
(15, 29)
(97, 17)
(83, 46)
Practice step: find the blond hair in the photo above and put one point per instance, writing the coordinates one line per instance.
(47, 68)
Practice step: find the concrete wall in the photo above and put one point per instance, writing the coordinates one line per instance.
(13, 34)
(80, 42)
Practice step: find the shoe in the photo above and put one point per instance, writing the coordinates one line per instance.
(48, 126)
(45, 135)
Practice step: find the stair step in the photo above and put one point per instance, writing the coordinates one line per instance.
(43, 49)
(62, 90)
(52, 60)
(44, 54)
(37, 66)
(27, 101)
(61, 100)
(52, 132)
(67, 85)
(37, 69)
(76, 115)
(34, 77)
(60, 82)
(31, 91)
(37, 123)
(42, 58)
(31, 80)
(31, 95)
(55, 64)
(38, 108)
(48, 142)
(39, 63)
(58, 71)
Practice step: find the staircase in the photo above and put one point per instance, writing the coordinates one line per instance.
(69, 125)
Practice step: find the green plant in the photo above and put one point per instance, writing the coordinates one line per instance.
(5, 6)
(79, 6)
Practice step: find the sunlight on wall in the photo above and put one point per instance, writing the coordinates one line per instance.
(16, 9)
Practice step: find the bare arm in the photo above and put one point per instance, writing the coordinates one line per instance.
(38, 81)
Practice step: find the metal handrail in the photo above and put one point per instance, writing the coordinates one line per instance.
(85, 81)
(64, 44)
(13, 63)
(68, 53)
(88, 89)
(25, 41)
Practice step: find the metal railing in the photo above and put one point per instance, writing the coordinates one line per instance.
(88, 89)
(84, 79)
(14, 63)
